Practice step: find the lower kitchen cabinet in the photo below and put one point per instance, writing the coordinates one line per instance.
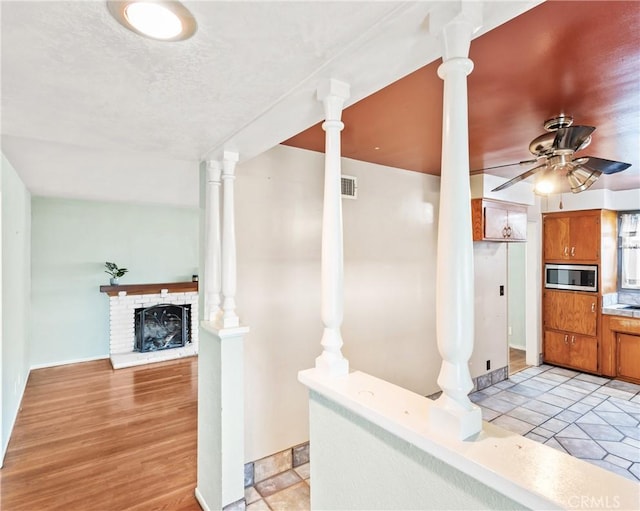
(570, 311)
(628, 356)
(620, 348)
(571, 350)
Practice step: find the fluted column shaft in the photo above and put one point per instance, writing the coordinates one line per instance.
(229, 317)
(212, 260)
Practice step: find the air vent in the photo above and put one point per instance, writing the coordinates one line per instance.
(349, 185)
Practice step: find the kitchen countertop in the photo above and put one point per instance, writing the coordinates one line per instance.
(618, 309)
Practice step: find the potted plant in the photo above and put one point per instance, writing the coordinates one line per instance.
(115, 272)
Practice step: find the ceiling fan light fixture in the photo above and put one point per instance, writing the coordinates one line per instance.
(581, 178)
(544, 186)
(550, 181)
(158, 20)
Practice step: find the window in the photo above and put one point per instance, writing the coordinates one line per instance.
(629, 245)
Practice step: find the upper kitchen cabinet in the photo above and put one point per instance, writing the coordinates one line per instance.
(498, 221)
(584, 237)
(572, 236)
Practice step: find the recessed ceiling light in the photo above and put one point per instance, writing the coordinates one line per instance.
(161, 20)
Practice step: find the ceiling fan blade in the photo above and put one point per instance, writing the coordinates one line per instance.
(521, 177)
(518, 163)
(604, 166)
(572, 137)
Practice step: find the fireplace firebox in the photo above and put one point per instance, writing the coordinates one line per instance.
(162, 327)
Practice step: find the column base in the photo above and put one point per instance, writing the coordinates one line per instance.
(332, 366)
(458, 423)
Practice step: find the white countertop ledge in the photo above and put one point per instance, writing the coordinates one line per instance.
(214, 327)
(532, 474)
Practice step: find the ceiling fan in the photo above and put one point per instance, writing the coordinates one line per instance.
(554, 154)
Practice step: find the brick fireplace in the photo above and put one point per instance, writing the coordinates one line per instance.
(166, 305)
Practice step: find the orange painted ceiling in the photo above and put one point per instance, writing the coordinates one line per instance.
(578, 58)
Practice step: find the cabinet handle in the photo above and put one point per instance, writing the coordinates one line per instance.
(573, 339)
(566, 339)
(573, 251)
(593, 307)
(504, 232)
(566, 251)
(508, 231)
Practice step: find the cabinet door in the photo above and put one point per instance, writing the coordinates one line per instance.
(517, 223)
(495, 222)
(629, 356)
(584, 238)
(583, 353)
(556, 238)
(571, 312)
(556, 347)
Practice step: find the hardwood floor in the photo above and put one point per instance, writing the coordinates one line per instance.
(91, 438)
(517, 360)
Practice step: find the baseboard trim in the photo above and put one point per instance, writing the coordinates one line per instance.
(201, 501)
(67, 362)
(5, 446)
(516, 347)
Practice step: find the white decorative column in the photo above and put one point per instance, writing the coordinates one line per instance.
(332, 93)
(221, 357)
(212, 257)
(454, 413)
(229, 317)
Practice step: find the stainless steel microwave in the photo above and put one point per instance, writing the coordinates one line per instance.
(572, 277)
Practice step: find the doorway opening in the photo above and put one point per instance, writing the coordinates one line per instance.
(516, 306)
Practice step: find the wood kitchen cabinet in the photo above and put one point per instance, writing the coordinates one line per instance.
(571, 350)
(570, 311)
(498, 221)
(573, 236)
(574, 335)
(628, 357)
(570, 329)
(620, 348)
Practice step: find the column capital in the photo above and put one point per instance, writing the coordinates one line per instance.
(333, 93)
(454, 23)
(214, 171)
(229, 160)
(228, 155)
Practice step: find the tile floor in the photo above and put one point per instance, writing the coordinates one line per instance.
(589, 417)
(286, 491)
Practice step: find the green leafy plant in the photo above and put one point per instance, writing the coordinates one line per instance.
(114, 271)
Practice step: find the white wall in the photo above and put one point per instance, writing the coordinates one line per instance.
(533, 291)
(490, 342)
(390, 235)
(358, 465)
(72, 239)
(15, 295)
(389, 326)
(593, 199)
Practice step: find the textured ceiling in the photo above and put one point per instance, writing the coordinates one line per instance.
(88, 106)
(71, 74)
(580, 58)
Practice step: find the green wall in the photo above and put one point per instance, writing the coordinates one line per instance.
(516, 294)
(15, 278)
(71, 240)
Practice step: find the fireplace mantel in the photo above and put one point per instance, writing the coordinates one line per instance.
(146, 289)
